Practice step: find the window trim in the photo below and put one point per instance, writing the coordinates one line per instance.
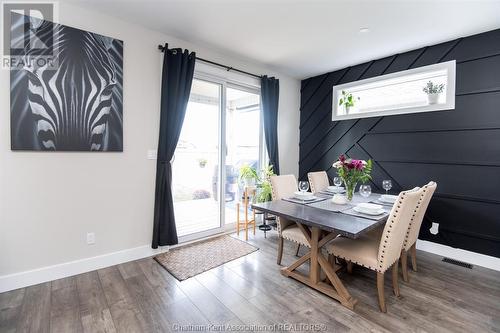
(450, 66)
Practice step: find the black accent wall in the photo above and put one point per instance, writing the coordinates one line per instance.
(459, 149)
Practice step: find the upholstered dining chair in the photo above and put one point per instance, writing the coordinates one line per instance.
(409, 245)
(318, 181)
(380, 254)
(410, 242)
(284, 186)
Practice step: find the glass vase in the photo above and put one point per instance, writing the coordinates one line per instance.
(350, 187)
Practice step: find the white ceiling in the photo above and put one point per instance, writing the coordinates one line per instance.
(304, 38)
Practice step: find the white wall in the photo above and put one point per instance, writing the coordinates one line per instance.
(49, 201)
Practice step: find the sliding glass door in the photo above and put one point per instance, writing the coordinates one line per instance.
(222, 127)
(195, 167)
(243, 139)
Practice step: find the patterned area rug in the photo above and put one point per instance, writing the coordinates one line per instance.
(190, 260)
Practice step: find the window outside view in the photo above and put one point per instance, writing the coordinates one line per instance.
(398, 91)
(196, 182)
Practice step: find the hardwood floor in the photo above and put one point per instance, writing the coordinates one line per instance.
(140, 296)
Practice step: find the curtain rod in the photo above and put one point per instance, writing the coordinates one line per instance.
(228, 68)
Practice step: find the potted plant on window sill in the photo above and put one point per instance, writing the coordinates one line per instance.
(347, 101)
(433, 92)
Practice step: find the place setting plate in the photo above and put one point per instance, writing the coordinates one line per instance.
(335, 189)
(367, 210)
(331, 190)
(304, 198)
(387, 199)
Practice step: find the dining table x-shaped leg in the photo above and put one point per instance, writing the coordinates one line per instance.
(335, 288)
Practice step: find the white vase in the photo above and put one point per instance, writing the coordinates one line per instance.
(433, 98)
(249, 182)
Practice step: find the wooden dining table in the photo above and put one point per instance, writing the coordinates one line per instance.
(319, 227)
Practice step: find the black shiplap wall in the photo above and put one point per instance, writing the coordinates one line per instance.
(460, 148)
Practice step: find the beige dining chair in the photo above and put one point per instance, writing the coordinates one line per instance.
(380, 254)
(318, 181)
(284, 186)
(410, 242)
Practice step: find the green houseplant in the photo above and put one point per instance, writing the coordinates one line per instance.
(202, 162)
(347, 100)
(433, 91)
(248, 175)
(265, 190)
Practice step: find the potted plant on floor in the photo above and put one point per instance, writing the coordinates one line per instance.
(352, 172)
(264, 194)
(264, 191)
(433, 91)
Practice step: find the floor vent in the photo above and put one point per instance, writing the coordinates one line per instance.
(458, 263)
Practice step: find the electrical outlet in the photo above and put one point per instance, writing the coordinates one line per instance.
(435, 228)
(152, 154)
(90, 238)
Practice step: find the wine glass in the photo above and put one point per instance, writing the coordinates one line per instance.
(337, 181)
(386, 185)
(303, 186)
(365, 190)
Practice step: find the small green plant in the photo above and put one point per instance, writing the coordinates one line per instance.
(247, 172)
(202, 162)
(431, 88)
(265, 190)
(347, 99)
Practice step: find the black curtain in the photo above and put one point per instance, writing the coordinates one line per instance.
(270, 91)
(177, 77)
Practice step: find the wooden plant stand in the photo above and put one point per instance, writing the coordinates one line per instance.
(246, 223)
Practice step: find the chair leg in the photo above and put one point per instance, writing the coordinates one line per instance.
(380, 289)
(333, 261)
(413, 253)
(280, 249)
(254, 222)
(246, 216)
(395, 285)
(297, 251)
(404, 265)
(349, 267)
(238, 219)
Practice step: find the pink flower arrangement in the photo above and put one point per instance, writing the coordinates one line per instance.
(350, 163)
(352, 171)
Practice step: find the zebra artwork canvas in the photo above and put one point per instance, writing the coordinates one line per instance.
(72, 102)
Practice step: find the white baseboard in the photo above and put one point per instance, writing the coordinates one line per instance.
(59, 271)
(49, 273)
(459, 254)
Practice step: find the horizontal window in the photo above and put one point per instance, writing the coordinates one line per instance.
(428, 88)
